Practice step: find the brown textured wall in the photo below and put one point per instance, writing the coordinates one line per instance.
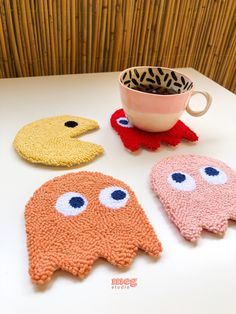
(42, 37)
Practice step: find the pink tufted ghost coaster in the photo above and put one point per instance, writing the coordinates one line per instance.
(74, 219)
(197, 193)
(134, 138)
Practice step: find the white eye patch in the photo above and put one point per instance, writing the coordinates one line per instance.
(71, 204)
(114, 197)
(213, 175)
(181, 181)
(124, 122)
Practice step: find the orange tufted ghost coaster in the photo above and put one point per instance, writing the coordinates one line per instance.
(53, 141)
(74, 219)
(134, 138)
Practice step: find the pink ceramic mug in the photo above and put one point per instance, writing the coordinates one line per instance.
(154, 112)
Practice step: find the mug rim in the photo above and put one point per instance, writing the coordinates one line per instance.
(149, 94)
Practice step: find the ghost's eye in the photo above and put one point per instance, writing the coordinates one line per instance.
(114, 197)
(181, 181)
(71, 204)
(213, 175)
(124, 122)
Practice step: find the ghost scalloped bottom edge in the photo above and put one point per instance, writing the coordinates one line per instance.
(74, 219)
(134, 138)
(197, 192)
(53, 141)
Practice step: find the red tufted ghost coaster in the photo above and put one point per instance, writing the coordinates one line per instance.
(134, 138)
(74, 219)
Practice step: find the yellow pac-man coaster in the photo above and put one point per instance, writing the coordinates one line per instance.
(53, 141)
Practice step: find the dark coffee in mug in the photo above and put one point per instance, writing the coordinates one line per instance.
(156, 90)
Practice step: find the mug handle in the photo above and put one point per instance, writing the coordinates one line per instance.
(208, 104)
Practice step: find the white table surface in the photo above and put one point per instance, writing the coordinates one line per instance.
(187, 278)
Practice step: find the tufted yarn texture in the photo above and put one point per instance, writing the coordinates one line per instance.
(197, 193)
(74, 219)
(52, 141)
(134, 138)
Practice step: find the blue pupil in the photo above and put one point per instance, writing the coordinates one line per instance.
(211, 171)
(76, 202)
(118, 195)
(124, 122)
(178, 177)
